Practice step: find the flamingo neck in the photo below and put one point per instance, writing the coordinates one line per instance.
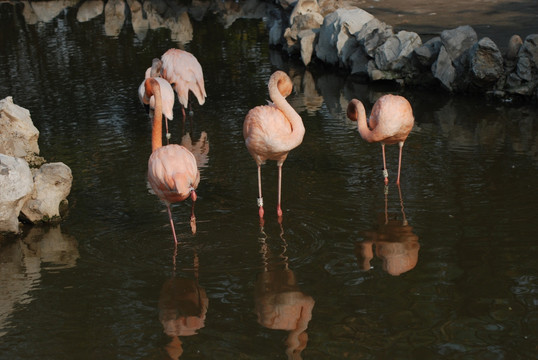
(365, 132)
(153, 89)
(296, 123)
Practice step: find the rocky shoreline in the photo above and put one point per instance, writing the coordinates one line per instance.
(457, 61)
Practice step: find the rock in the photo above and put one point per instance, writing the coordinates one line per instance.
(16, 186)
(457, 41)
(443, 70)
(428, 52)
(514, 44)
(307, 40)
(302, 22)
(486, 63)
(305, 7)
(395, 54)
(337, 29)
(373, 34)
(52, 185)
(18, 135)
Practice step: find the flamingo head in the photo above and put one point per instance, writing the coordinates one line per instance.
(284, 84)
(354, 108)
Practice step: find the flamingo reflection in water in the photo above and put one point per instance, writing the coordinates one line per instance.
(395, 243)
(182, 308)
(280, 304)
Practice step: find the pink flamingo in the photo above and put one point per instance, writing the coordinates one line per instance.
(181, 69)
(390, 122)
(167, 94)
(271, 131)
(172, 170)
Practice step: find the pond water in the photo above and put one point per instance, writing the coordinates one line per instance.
(443, 266)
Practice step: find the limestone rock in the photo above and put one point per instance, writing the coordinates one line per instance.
(18, 135)
(16, 186)
(52, 185)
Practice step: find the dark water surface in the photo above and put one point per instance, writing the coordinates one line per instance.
(342, 277)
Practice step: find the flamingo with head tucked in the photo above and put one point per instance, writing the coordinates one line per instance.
(181, 69)
(271, 131)
(167, 94)
(172, 170)
(390, 122)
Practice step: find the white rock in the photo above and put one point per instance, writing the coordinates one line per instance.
(18, 135)
(52, 185)
(16, 186)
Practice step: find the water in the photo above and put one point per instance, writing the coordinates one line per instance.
(103, 285)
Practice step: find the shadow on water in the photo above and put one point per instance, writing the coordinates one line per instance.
(467, 289)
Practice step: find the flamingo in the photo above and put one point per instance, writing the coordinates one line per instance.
(172, 170)
(272, 130)
(167, 94)
(390, 122)
(181, 69)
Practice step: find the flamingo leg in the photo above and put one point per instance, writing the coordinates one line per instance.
(172, 223)
(278, 209)
(400, 144)
(260, 197)
(385, 171)
(183, 112)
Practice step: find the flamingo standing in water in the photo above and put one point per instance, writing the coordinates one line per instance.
(167, 94)
(172, 170)
(390, 122)
(271, 131)
(181, 69)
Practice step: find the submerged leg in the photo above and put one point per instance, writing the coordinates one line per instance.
(172, 223)
(260, 197)
(400, 144)
(385, 171)
(193, 218)
(278, 209)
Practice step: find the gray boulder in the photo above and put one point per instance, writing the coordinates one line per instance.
(486, 64)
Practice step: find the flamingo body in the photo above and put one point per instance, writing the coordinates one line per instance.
(173, 173)
(272, 131)
(390, 122)
(181, 69)
(172, 170)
